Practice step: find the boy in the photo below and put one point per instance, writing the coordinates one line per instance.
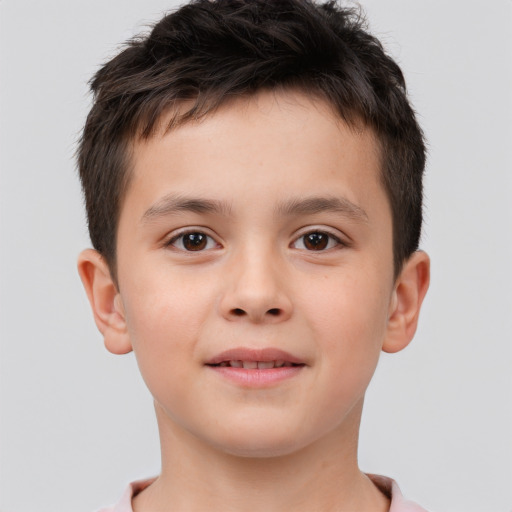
(253, 180)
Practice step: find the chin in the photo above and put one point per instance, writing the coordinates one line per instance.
(260, 443)
(260, 450)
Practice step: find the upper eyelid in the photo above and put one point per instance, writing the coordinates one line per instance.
(177, 234)
(337, 239)
(342, 241)
(335, 233)
(338, 235)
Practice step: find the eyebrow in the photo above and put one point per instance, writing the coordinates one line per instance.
(313, 205)
(174, 203)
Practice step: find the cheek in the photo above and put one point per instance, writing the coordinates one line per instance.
(164, 319)
(348, 317)
(164, 326)
(348, 309)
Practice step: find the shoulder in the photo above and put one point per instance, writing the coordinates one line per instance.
(125, 503)
(398, 502)
(386, 485)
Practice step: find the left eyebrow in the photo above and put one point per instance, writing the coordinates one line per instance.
(175, 203)
(313, 205)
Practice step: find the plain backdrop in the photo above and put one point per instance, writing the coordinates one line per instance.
(77, 424)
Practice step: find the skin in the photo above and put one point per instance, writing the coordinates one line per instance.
(256, 283)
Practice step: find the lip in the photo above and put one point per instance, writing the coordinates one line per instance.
(256, 378)
(250, 354)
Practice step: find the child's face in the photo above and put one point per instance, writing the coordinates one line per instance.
(264, 226)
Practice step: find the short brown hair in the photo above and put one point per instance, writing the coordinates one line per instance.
(210, 51)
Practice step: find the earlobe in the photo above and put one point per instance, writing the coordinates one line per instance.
(105, 300)
(408, 294)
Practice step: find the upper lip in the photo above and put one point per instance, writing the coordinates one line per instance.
(251, 354)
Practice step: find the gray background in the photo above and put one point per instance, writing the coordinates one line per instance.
(77, 423)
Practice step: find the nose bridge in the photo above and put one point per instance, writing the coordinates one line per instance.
(254, 289)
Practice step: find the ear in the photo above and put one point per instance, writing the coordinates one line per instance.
(105, 300)
(408, 294)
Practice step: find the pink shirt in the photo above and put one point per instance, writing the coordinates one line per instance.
(386, 485)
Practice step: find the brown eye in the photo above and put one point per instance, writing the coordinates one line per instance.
(193, 241)
(316, 241)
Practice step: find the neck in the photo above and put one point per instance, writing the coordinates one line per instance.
(322, 476)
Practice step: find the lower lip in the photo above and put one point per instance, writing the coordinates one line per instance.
(254, 378)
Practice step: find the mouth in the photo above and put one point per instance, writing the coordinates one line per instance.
(255, 359)
(256, 365)
(255, 368)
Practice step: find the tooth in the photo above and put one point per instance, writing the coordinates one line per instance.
(224, 363)
(279, 363)
(251, 365)
(265, 365)
(287, 364)
(236, 364)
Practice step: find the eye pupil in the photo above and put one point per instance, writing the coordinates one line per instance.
(194, 241)
(316, 241)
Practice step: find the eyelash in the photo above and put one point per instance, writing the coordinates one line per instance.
(206, 242)
(329, 241)
(181, 236)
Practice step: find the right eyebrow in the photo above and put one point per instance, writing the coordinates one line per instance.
(175, 203)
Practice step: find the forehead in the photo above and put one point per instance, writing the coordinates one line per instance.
(258, 154)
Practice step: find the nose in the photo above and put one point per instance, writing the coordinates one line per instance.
(254, 290)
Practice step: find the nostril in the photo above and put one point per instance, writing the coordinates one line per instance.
(238, 312)
(273, 311)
